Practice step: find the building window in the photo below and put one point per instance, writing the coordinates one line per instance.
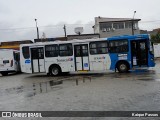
(118, 46)
(118, 25)
(128, 24)
(99, 47)
(65, 50)
(51, 50)
(135, 26)
(105, 26)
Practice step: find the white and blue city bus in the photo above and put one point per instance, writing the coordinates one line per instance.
(122, 53)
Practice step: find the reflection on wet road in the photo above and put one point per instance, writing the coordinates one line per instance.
(45, 84)
(38, 87)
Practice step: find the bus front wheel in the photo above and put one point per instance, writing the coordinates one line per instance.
(55, 70)
(122, 67)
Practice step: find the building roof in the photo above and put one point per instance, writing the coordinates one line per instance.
(13, 44)
(103, 19)
(50, 39)
(83, 35)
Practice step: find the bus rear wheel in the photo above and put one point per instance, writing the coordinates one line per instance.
(55, 70)
(122, 67)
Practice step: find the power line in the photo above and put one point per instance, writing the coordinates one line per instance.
(51, 26)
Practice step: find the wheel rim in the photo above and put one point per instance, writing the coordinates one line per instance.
(122, 67)
(55, 71)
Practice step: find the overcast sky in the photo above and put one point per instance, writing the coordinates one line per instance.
(17, 16)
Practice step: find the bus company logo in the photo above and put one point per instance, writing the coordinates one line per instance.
(6, 114)
(70, 59)
(120, 55)
(99, 58)
(65, 60)
(27, 61)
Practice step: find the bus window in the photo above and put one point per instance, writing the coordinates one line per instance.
(65, 50)
(98, 47)
(118, 46)
(51, 50)
(78, 51)
(25, 51)
(40, 53)
(37, 53)
(84, 50)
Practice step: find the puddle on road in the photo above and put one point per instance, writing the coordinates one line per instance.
(18, 89)
(83, 79)
(44, 87)
(53, 85)
(146, 79)
(149, 78)
(57, 83)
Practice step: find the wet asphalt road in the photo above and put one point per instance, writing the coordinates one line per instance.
(134, 91)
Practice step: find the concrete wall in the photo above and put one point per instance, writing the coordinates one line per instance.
(82, 36)
(156, 50)
(118, 32)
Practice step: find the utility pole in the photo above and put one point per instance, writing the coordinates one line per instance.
(37, 29)
(133, 23)
(65, 32)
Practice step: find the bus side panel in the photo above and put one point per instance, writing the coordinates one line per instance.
(151, 55)
(25, 64)
(66, 63)
(151, 62)
(100, 62)
(114, 59)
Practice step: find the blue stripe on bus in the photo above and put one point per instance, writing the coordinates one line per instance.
(113, 57)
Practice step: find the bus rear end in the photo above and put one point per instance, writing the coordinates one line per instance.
(141, 52)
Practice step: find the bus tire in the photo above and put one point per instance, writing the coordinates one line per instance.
(4, 73)
(123, 67)
(55, 70)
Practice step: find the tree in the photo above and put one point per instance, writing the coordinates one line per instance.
(156, 38)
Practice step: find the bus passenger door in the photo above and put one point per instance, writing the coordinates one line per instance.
(139, 54)
(81, 57)
(37, 59)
